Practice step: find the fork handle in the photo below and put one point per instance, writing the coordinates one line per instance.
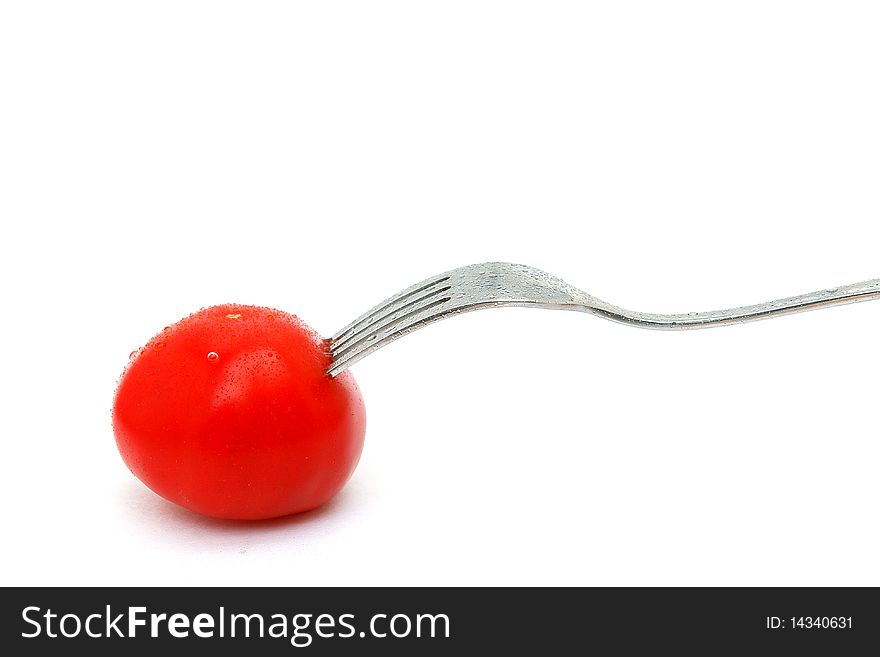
(855, 293)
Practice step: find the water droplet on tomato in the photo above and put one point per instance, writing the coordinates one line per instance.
(270, 317)
(213, 356)
(167, 330)
(159, 346)
(133, 354)
(234, 316)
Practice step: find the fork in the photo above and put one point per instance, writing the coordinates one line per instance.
(497, 284)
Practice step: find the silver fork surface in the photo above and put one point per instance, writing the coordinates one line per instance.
(496, 284)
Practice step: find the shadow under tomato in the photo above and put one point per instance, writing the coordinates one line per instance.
(159, 512)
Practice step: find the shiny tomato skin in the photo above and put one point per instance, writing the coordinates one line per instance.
(230, 413)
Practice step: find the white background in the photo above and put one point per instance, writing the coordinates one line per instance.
(317, 157)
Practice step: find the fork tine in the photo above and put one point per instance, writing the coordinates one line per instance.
(386, 307)
(380, 335)
(379, 320)
(395, 323)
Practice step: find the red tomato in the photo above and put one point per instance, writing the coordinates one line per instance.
(230, 413)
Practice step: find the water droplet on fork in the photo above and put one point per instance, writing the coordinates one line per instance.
(213, 356)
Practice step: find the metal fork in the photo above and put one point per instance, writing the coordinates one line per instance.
(496, 284)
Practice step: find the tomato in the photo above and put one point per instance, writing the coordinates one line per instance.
(230, 413)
